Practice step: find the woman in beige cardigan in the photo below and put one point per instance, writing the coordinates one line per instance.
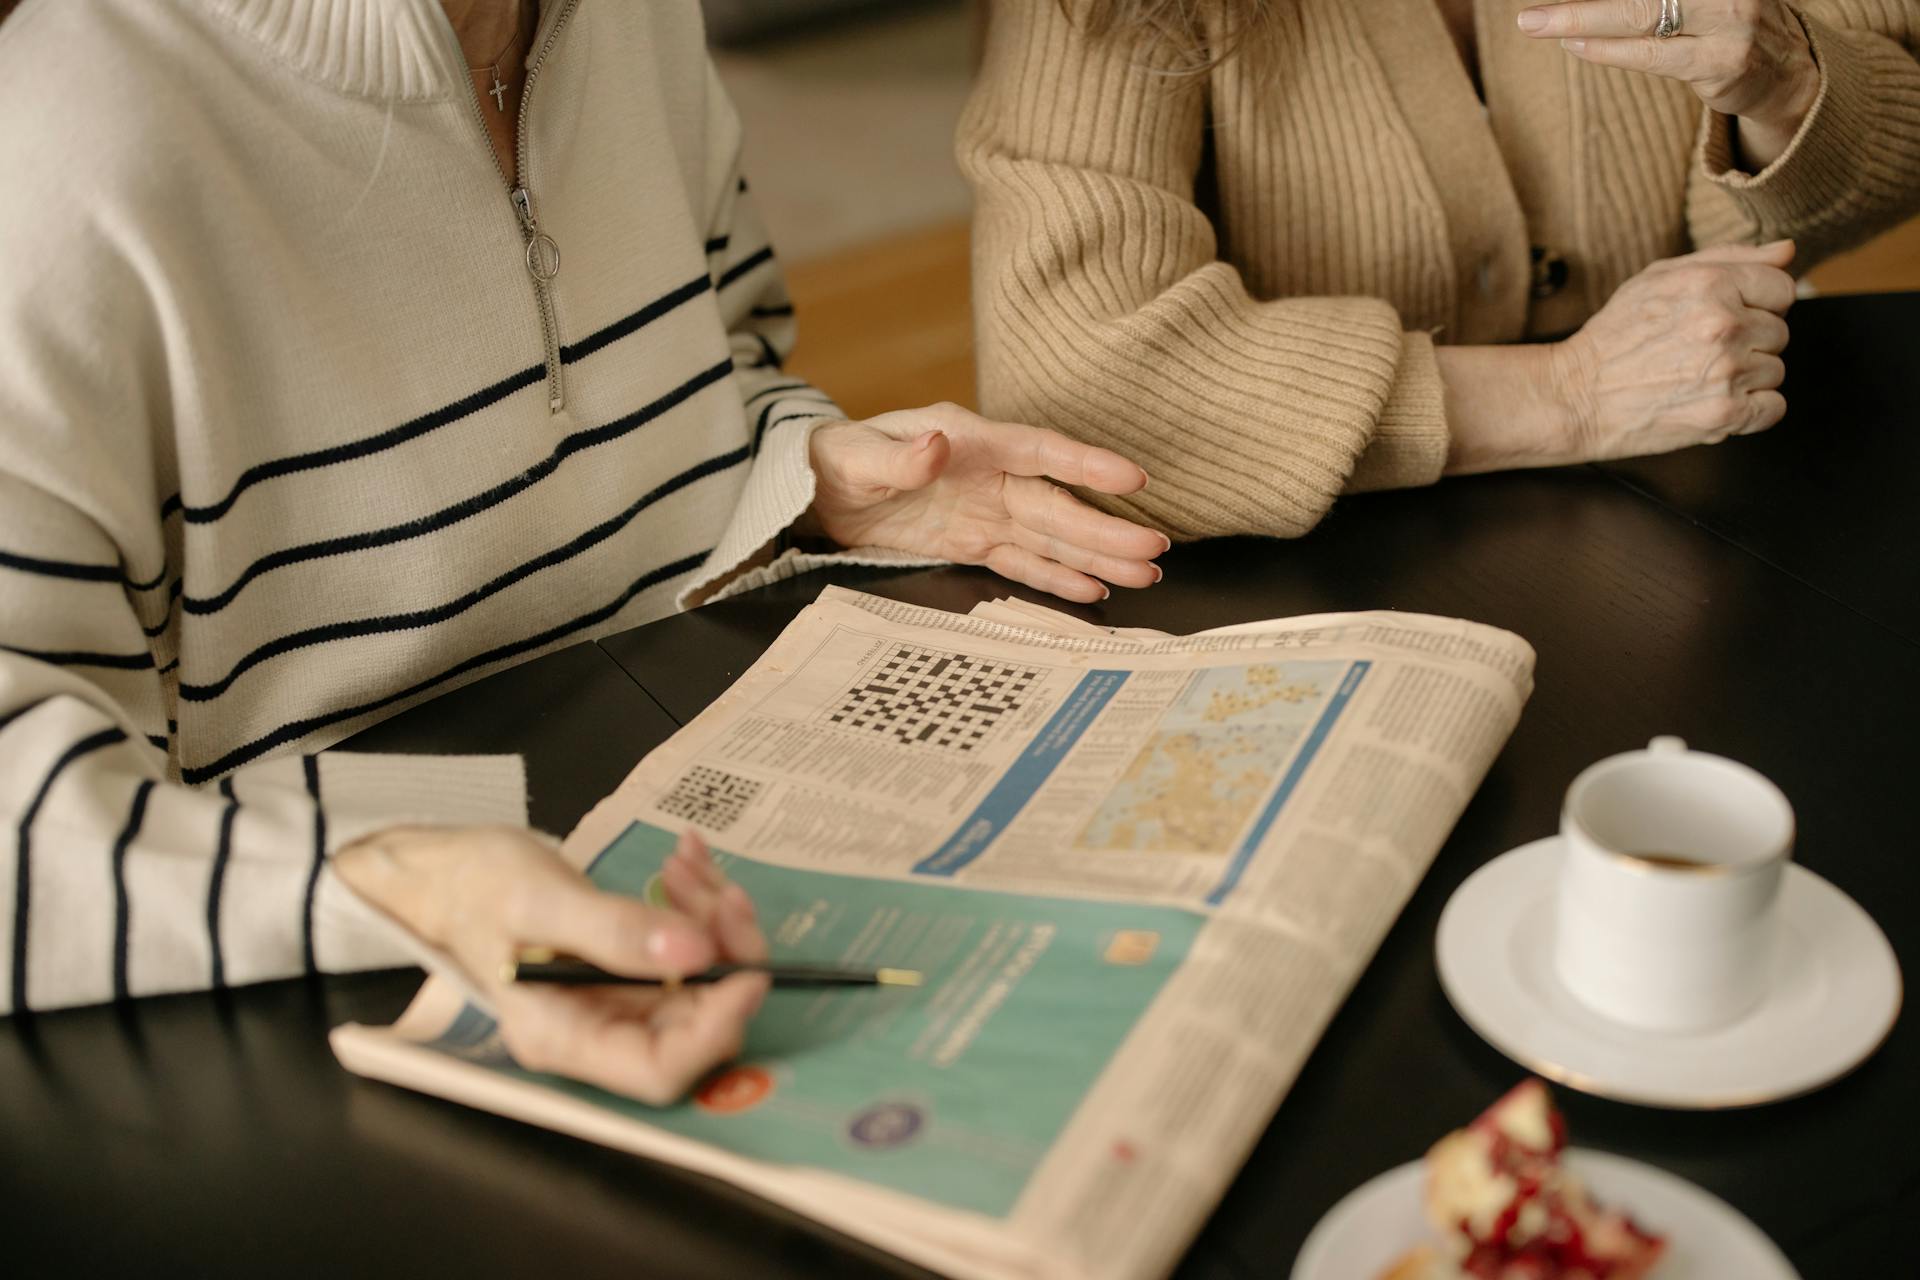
(1282, 249)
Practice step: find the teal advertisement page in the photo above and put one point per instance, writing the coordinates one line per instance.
(952, 1091)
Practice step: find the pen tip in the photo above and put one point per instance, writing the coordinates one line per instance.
(899, 977)
(510, 971)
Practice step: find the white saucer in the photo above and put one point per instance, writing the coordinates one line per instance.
(1835, 994)
(1707, 1238)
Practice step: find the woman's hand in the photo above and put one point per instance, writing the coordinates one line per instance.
(944, 482)
(1687, 352)
(1744, 58)
(482, 894)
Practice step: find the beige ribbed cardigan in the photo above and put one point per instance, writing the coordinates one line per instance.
(1265, 356)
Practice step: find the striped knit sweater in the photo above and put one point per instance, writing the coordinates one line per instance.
(285, 444)
(1237, 278)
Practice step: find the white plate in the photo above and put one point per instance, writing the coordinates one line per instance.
(1707, 1238)
(1835, 994)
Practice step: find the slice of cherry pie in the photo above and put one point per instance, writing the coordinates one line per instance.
(1508, 1210)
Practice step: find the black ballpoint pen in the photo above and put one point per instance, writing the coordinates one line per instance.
(539, 965)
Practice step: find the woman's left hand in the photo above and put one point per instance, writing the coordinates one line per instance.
(948, 483)
(1745, 58)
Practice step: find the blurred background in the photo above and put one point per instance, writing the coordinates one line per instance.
(850, 107)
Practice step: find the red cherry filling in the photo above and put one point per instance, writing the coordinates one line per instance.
(1515, 1213)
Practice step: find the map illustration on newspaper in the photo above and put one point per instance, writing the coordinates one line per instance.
(1141, 873)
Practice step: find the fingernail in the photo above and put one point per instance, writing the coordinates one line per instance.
(926, 441)
(1574, 46)
(1158, 573)
(1166, 544)
(1532, 20)
(677, 949)
(1106, 593)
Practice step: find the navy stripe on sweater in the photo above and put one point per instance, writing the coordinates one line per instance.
(743, 266)
(792, 385)
(122, 905)
(84, 658)
(770, 356)
(310, 768)
(61, 568)
(298, 729)
(761, 428)
(75, 571)
(417, 618)
(217, 881)
(433, 421)
(467, 508)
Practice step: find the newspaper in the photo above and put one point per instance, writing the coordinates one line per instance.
(1140, 871)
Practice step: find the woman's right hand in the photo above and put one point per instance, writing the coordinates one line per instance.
(482, 894)
(1685, 353)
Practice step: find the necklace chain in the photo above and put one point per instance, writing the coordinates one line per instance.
(498, 90)
(513, 41)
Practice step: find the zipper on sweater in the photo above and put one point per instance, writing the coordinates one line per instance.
(542, 255)
(543, 264)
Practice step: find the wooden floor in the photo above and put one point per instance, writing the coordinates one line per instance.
(886, 326)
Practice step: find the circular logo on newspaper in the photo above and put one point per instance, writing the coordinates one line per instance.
(887, 1124)
(735, 1090)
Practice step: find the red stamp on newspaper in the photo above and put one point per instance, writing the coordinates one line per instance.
(735, 1090)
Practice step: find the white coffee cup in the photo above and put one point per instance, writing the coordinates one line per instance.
(1672, 863)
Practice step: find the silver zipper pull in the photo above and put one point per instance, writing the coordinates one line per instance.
(543, 255)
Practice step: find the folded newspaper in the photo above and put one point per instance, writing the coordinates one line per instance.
(1140, 873)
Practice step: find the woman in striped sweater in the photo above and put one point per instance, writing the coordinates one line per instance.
(1279, 250)
(349, 352)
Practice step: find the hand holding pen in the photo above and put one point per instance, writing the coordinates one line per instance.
(473, 897)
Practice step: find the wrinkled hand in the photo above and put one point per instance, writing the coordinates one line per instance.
(945, 482)
(1687, 352)
(1745, 58)
(482, 894)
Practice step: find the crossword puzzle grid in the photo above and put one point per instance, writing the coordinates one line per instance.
(711, 798)
(922, 697)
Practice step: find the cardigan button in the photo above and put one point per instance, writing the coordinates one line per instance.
(1549, 272)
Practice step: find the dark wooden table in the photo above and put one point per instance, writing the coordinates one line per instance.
(1761, 599)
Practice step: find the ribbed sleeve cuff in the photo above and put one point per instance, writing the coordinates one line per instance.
(360, 794)
(779, 490)
(795, 563)
(1856, 152)
(1409, 448)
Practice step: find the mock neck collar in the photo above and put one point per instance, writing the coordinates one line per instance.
(384, 49)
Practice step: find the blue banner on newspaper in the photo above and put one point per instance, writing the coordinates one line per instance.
(1026, 775)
